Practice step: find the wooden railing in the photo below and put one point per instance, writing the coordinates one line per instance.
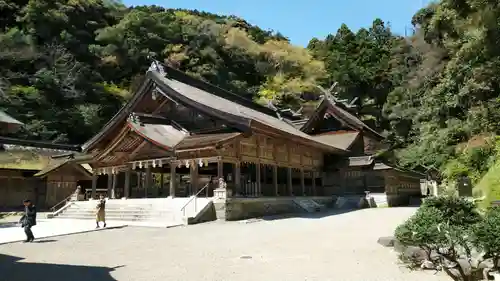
(65, 200)
(193, 199)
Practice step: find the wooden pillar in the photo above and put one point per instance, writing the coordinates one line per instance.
(126, 191)
(110, 184)
(289, 183)
(160, 189)
(173, 179)
(193, 174)
(113, 186)
(220, 169)
(237, 178)
(314, 193)
(139, 180)
(258, 180)
(275, 180)
(93, 194)
(148, 181)
(302, 182)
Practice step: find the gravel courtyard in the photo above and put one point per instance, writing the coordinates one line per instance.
(336, 247)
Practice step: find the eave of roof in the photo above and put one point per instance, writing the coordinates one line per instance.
(55, 165)
(344, 139)
(359, 161)
(343, 114)
(120, 116)
(228, 110)
(383, 166)
(242, 122)
(7, 119)
(169, 138)
(39, 144)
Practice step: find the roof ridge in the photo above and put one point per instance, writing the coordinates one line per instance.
(215, 90)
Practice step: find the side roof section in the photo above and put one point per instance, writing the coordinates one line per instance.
(210, 100)
(342, 114)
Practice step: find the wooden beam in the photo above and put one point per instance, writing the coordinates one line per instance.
(161, 105)
(289, 182)
(314, 193)
(94, 186)
(126, 192)
(193, 172)
(173, 179)
(257, 165)
(114, 143)
(110, 184)
(258, 180)
(137, 149)
(113, 186)
(237, 179)
(302, 182)
(148, 181)
(275, 180)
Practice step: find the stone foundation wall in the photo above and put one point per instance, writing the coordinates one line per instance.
(246, 208)
(395, 200)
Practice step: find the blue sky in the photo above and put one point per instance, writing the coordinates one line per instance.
(302, 20)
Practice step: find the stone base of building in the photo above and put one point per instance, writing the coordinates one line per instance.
(232, 209)
(377, 200)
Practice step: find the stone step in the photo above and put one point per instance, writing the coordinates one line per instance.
(131, 218)
(149, 213)
(115, 216)
(119, 215)
(117, 207)
(120, 211)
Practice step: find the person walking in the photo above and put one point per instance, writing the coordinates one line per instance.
(101, 212)
(28, 220)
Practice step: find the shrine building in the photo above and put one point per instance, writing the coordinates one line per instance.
(181, 137)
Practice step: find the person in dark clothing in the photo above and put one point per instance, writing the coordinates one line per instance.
(28, 220)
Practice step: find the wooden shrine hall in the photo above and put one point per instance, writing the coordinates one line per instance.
(177, 136)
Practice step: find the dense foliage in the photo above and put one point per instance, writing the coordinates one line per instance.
(447, 233)
(67, 66)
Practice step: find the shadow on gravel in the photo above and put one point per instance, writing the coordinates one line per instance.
(44, 241)
(317, 215)
(13, 270)
(8, 224)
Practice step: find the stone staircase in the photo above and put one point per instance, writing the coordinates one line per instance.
(379, 199)
(162, 212)
(309, 205)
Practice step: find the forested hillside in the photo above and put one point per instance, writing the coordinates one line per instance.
(66, 66)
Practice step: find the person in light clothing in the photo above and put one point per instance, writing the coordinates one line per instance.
(100, 215)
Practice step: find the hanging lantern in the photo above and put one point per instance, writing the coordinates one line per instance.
(133, 165)
(179, 164)
(140, 165)
(160, 162)
(187, 164)
(200, 163)
(154, 163)
(205, 162)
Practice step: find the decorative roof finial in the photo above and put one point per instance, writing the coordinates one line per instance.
(330, 93)
(157, 66)
(271, 105)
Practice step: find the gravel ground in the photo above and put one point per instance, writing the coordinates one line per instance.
(15, 216)
(335, 247)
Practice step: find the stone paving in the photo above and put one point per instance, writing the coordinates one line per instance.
(335, 247)
(10, 231)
